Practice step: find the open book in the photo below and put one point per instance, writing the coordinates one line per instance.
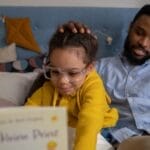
(33, 128)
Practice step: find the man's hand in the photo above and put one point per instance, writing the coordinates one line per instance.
(75, 27)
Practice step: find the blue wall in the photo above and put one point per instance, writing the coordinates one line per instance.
(44, 20)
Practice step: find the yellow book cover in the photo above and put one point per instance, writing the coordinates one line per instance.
(33, 128)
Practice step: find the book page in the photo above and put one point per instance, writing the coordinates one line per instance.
(33, 128)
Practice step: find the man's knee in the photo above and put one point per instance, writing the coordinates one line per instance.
(136, 143)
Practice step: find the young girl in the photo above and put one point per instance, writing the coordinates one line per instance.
(75, 84)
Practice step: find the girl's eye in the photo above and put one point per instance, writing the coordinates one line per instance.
(55, 72)
(73, 74)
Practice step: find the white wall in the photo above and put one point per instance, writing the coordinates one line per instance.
(92, 3)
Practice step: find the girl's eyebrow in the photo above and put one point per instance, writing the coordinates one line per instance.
(69, 69)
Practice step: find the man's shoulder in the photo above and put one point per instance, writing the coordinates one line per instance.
(107, 59)
(107, 62)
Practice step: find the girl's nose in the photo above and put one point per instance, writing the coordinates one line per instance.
(63, 78)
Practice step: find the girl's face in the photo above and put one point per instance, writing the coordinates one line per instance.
(68, 70)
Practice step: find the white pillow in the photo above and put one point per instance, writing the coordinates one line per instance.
(6, 103)
(14, 87)
(8, 53)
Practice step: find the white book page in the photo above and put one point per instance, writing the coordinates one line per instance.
(33, 128)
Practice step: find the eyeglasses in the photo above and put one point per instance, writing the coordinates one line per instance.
(71, 74)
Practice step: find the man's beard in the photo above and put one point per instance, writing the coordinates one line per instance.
(128, 54)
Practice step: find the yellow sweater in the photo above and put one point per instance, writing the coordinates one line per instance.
(88, 109)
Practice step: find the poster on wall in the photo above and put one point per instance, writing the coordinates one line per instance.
(33, 128)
